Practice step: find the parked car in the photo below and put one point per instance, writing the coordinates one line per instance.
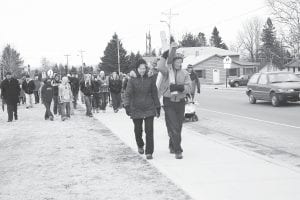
(277, 87)
(240, 81)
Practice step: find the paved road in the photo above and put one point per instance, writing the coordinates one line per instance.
(227, 115)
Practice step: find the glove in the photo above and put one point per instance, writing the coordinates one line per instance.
(158, 112)
(165, 54)
(127, 108)
(175, 87)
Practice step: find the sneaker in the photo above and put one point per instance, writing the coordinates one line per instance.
(63, 118)
(178, 156)
(117, 110)
(149, 156)
(51, 118)
(141, 150)
(16, 117)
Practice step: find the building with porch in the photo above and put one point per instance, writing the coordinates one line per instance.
(208, 64)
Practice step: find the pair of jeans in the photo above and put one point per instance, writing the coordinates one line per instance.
(88, 105)
(12, 111)
(75, 97)
(65, 110)
(103, 100)
(96, 100)
(116, 100)
(29, 100)
(36, 96)
(174, 116)
(48, 112)
(138, 130)
(56, 106)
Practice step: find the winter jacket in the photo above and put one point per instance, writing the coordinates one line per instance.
(28, 87)
(55, 85)
(115, 85)
(74, 82)
(10, 91)
(141, 97)
(87, 88)
(65, 93)
(37, 84)
(195, 82)
(97, 85)
(181, 78)
(47, 93)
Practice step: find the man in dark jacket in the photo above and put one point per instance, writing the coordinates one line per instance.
(28, 86)
(37, 84)
(195, 81)
(115, 87)
(47, 95)
(10, 91)
(74, 82)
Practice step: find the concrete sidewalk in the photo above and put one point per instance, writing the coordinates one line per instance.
(223, 87)
(212, 170)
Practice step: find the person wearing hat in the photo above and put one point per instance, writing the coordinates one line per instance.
(174, 90)
(142, 104)
(10, 91)
(195, 81)
(65, 98)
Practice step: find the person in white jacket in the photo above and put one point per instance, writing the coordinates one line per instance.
(65, 98)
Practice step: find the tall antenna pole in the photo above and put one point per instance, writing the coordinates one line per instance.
(67, 56)
(81, 54)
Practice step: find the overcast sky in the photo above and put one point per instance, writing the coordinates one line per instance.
(54, 28)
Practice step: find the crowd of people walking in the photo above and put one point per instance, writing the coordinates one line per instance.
(138, 92)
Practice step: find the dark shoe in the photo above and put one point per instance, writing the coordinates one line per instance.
(16, 117)
(51, 118)
(149, 156)
(172, 151)
(9, 120)
(178, 156)
(46, 118)
(141, 150)
(117, 110)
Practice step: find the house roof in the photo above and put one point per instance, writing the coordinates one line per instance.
(194, 60)
(189, 51)
(293, 63)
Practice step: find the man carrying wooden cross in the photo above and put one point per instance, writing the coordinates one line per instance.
(174, 87)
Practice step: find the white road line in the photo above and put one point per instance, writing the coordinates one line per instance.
(259, 120)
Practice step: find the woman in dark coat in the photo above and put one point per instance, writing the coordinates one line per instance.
(142, 104)
(10, 91)
(115, 87)
(47, 96)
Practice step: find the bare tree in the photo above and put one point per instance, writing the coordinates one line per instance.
(287, 12)
(249, 38)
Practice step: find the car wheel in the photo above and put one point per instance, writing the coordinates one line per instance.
(275, 100)
(252, 99)
(236, 84)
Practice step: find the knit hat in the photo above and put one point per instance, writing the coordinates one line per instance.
(140, 62)
(178, 56)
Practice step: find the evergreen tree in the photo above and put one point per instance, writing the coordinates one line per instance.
(189, 40)
(216, 40)
(11, 61)
(202, 39)
(269, 45)
(110, 58)
(153, 53)
(133, 58)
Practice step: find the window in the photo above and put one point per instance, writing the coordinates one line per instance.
(254, 79)
(200, 73)
(233, 72)
(249, 71)
(263, 79)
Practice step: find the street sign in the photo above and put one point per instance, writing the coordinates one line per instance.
(227, 62)
(50, 73)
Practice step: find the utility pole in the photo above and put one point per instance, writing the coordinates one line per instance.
(67, 69)
(169, 15)
(118, 48)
